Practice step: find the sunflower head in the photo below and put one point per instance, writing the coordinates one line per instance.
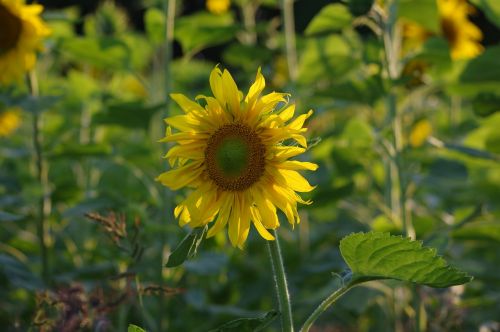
(233, 153)
(462, 35)
(22, 31)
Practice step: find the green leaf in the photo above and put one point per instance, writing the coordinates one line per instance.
(486, 103)
(187, 248)
(18, 274)
(481, 230)
(248, 324)
(6, 216)
(135, 328)
(483, 68)
(134, 114)
(360, 7)
(375, 255)
(331, 18)
(154, 24)
(328, 58)
(201, 30)
(104, 53)
(491, 8)
(423, 12)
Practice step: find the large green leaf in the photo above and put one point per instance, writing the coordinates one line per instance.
(154, 24)
(331, 18)
(104, 53)
(187, 248)
(135, 328)
(375, 255)
(328, 58)
(483, 68)
(248, 324)
(133, 114)
(481, 230)
(201, 30)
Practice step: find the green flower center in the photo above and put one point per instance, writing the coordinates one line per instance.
(11, 27)
(235, 157)
(232, 156)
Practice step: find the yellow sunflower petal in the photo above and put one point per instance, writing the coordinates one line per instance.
(180, 177)
(223, 216)
(217, 86)
(257, 222)
(296, 181)
(285, 152)
(231, 92)
(186, 104)
(256, 88)
(297, 165)
(266, 209)
(234, 223)
(244, 221)
(299, 121)
(287, 113)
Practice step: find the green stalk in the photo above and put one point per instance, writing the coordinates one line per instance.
(291, 50)
(324, 305)
(167, 80)
(281, 284)
(42, 177)
(392, 43)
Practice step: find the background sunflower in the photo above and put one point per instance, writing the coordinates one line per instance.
(22, 33)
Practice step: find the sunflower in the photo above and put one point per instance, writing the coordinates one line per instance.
(231, 153)
(462, 35)
(10, 120)
(22, 31)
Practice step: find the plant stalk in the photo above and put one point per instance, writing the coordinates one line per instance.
(325, 305)
(392, 44)
(280, 283)
(167, 81)
(42, 178)
(290, 45)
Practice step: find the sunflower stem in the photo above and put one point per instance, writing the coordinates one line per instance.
(392, 44)
(169, 8)
(280, 283)
(290, 47)
(331, 299)
(42, 177)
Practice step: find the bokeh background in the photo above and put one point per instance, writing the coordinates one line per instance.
(104, 77)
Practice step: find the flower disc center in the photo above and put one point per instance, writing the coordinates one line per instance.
(449, 30)
(232, 156)
(235, 157)
(11, 27)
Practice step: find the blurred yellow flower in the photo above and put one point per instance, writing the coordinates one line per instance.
(218, 6)
(22, 31)
(462, 35)
(420, 132)
(231, 153)
(10, 120)
(129, 86)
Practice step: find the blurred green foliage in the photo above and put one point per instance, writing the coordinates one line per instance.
(102, 103)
